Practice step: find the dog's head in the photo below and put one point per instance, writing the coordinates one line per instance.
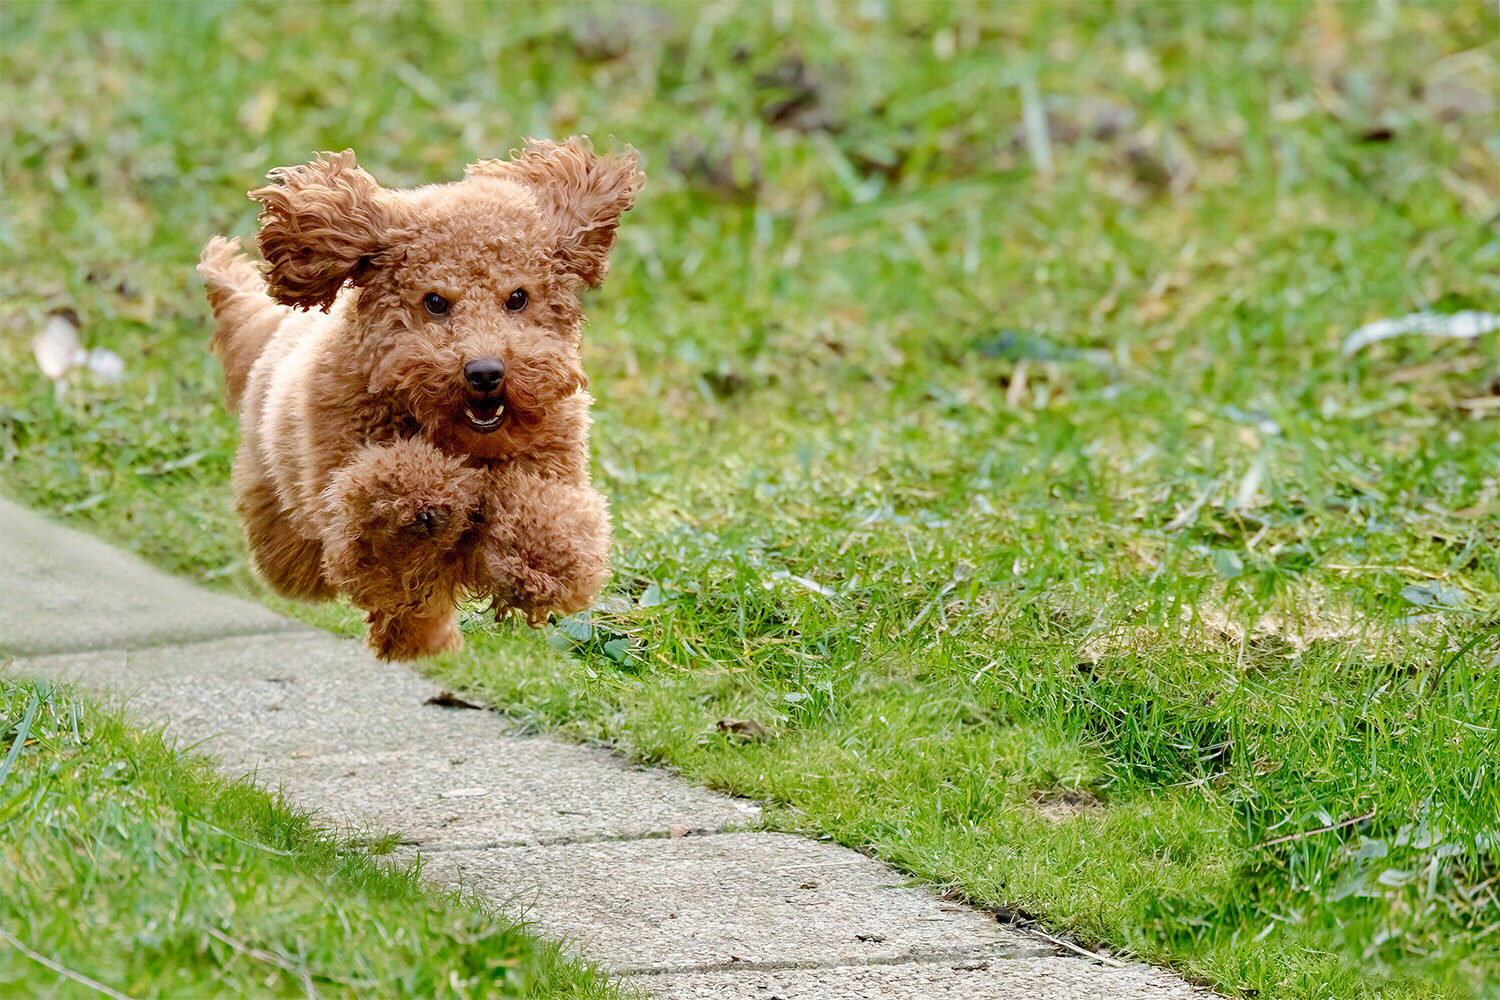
(466, 316)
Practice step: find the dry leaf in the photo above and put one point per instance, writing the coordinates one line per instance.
(748, 728)
(1466, 325)
(1461, 84)
(106, 365)
(1479, 403)
(677, 831)
(447, 699)
(255, 114)
(57, 347)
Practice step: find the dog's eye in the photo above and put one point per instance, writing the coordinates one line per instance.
(435, 303)
(517, 300)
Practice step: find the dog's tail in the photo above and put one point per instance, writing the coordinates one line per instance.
(245, 316)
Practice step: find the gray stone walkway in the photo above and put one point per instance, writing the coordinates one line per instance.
(575, 839)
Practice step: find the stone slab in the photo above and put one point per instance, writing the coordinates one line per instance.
(252, 700)
(341, 733)
(62, 590)
(727, 901)
(504, 792)
(1021, 978)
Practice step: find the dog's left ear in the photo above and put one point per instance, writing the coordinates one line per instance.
(321, 223)
(585, 195)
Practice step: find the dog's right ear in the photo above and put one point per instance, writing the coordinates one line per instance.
(320, 223)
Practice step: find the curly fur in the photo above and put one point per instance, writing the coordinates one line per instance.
(363, 469)
(585, 196)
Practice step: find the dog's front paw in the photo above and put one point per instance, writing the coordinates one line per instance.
(417, 520)
(396, 514)
(544, 547)
(404, 493)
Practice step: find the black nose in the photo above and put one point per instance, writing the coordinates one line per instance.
(485, 375)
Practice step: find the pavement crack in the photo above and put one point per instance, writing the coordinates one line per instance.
(137, 644)
(445, 847)
(967, 959)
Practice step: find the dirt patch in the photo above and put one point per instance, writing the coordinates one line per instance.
(1058, 805)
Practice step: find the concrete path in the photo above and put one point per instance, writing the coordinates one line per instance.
(577, 839)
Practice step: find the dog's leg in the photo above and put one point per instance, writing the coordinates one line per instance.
(395, 515)
(412, 633)
(290, 564)
(543, 547)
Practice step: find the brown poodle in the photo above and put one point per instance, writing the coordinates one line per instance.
(421, 436)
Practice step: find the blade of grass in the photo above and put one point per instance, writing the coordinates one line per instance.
(25, 730)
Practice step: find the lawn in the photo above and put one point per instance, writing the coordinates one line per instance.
(131, 869)
(973, 406)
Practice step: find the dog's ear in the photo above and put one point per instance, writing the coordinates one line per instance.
(583, 192)
(321, 223)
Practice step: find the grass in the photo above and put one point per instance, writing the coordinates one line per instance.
(133, 869)
(1021, 491)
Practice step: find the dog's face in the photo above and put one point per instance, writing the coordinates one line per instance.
(467, 318)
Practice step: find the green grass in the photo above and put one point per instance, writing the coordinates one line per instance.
(1030, 502)
(130, 865)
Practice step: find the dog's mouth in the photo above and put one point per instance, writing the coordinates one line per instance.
(484, 414)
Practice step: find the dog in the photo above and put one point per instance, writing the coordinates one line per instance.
(414, 413)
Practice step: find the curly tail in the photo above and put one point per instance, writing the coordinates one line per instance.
(245, 315)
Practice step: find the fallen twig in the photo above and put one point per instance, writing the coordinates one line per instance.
(1322, 829)
(1386, 569)
(61, 970)
(271, 957)
(1113, 963)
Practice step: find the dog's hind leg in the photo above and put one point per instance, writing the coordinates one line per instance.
(290, 564)
(245, 316)
(411, 633)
